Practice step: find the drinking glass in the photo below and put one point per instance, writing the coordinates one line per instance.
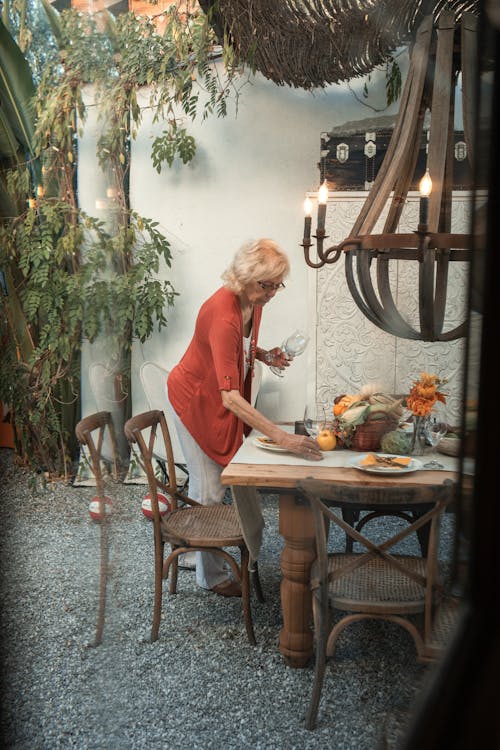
(294, 345)
(316, 418)
(434, 432)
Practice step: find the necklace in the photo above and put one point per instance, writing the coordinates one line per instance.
(250, 355)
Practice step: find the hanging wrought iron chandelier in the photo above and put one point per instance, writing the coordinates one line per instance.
(437, 58)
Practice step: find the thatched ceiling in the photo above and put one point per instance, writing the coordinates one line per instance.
(311, 43)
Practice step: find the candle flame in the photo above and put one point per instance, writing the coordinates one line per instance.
(307, 207)
(425, 185)
(323, 193)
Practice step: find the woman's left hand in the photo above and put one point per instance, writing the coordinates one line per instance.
(303, 445)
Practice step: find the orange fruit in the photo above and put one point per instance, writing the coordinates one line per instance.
(327, 440)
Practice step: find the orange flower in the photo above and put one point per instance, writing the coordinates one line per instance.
(424, 394)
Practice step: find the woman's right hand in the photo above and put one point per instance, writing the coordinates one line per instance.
(303, 445)
(277, 358)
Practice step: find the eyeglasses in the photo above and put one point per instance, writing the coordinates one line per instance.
(267, 286)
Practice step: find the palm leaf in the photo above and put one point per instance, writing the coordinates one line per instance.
(17, 91)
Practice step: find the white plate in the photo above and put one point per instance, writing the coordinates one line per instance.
(412, 466)
(268, 445)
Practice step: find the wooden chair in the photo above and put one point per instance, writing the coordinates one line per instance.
(90, 432)
(188, 525)
(375, 583)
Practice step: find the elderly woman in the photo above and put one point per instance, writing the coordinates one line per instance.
(209, 389)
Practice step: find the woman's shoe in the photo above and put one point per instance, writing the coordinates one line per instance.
(227, 588)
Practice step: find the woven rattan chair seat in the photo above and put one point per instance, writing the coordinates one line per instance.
(376, 586)
(205, 526)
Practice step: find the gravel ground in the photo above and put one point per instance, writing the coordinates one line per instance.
(201, 686)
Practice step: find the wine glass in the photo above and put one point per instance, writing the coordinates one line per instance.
(294, 345)
(316, 419)
(434, 432)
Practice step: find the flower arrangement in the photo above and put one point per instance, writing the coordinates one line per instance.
(424, 394)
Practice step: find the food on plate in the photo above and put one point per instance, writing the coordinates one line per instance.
(374, 459)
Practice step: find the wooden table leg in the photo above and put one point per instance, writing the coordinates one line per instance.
(296, 528)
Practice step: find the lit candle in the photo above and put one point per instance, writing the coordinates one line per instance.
(322, 199)
(31, 203)
(425, 187)
(307, 220)
(40, 191)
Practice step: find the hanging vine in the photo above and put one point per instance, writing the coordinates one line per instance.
(69, 276)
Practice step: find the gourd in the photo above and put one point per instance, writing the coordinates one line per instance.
(395, 441)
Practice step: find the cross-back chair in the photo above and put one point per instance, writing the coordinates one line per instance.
(188, 525)
(91, 432)
(376, 583)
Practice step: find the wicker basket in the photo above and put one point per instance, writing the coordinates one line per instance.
(368, 435)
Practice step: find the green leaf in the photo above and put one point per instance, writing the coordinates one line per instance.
(17, 90)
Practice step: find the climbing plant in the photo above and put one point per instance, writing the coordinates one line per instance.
(67, 276)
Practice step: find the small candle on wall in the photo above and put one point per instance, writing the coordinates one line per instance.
(307, 219)
(322, 199)
(425, 188)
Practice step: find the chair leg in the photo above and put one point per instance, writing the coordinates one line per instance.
(351, 517)
(254, 577)
(174, 568)
(245, 595)
(103, 579)
(159, 546)
(319, 675)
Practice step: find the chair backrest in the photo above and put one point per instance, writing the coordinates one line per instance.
(105, 384)
(144, 430)
(430, 500)
(102, 422)
(154, 381)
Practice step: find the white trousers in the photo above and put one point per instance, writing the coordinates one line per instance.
(205, 487)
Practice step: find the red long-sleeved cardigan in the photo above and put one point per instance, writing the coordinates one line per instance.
(214, 362)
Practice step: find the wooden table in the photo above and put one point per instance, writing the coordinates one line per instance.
(296, 528)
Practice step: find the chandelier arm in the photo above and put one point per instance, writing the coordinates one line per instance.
(399, 326)
(307, 256)
(332, 254)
